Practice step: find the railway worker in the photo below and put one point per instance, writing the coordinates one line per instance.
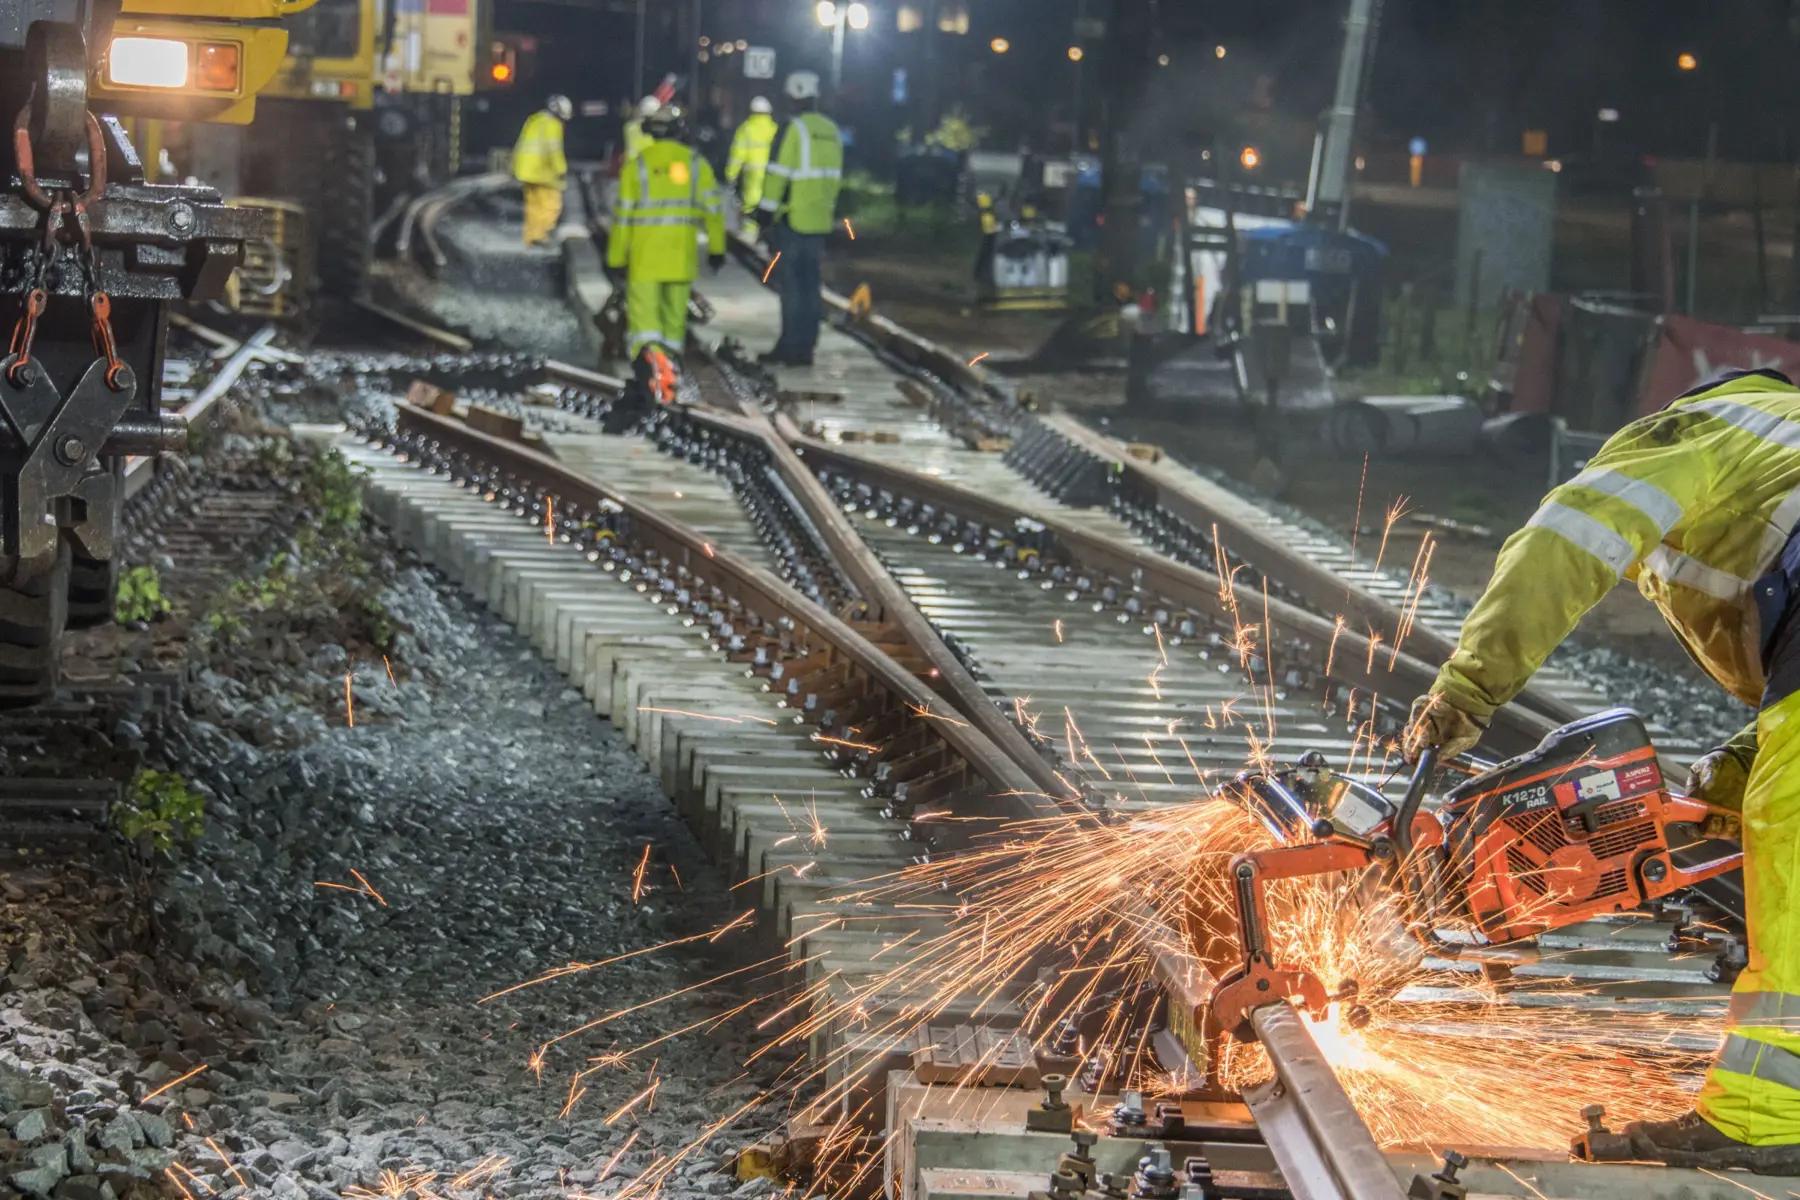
(1699, 506)
(668, 199)
(636, 137)
(539, 166)
(798, 208)
(748, 164)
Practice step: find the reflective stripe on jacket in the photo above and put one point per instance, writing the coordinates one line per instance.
(751, 145)
(538, 154)
(807, 172)
(1692, 505)
(667, 196)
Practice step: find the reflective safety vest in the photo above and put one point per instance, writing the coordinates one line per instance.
(1693, 505)
(807, 172)
(667, 196)
(538, 154)
(635, 138)
(752, 145)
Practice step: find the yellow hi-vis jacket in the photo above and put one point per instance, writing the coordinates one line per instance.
(807, 172)
(1692, 505)
(667, 195)
(538, 154)
(750, 150)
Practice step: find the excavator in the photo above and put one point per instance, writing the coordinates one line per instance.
(92, 256)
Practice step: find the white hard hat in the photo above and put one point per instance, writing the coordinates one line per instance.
(760, 104)
(560, 107)
(803, 85)
(648, 105)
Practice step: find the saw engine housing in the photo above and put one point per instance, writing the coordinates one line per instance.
(1578, 828)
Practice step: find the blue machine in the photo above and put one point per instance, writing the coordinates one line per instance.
(1341, 269)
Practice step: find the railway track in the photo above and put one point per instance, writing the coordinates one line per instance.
(827, 619)
(804, 761)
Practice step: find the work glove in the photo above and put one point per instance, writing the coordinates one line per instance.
(715, 263)
(1437, 722)
(1718, 778)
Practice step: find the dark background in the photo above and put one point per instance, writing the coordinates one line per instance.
(1467, 75)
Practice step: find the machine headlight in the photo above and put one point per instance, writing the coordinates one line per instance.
(147, 62)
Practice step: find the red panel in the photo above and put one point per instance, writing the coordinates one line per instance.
(1534, 380)
(1690, 352)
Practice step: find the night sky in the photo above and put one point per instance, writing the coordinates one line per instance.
(1468, 75)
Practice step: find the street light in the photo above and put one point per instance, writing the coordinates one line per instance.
(1687, 62)
(1251, 158)
(999, 45)
(1076, 54)
(836, 17)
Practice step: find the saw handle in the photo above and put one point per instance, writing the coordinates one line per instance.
(1409, 804)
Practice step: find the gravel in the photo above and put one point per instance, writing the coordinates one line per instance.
(322, 953)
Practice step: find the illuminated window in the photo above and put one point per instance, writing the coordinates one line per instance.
(908, 20)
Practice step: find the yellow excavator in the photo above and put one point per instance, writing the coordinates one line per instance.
(92, 254)
(364, 108)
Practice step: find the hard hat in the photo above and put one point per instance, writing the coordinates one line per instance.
(560, 107)
(665, 121)
(760, 104)
(648, 105)
(803, 85)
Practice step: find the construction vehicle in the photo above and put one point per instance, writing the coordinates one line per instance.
(1580, 827)
(93, 255)
(371, 96)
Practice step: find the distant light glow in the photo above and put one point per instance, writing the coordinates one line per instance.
(1076, 54)
(1218, 52)
(859, 16)
(743, 44)
(705, 41)
(1162, 60)
(1609, 116)
(1687, 62)
(826, 12)
(1251, 158)
(999, 45)
(1554, 164)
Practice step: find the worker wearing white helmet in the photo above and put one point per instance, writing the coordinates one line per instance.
(541, 169)
(800, 203)
(748, 164)
(635, 137)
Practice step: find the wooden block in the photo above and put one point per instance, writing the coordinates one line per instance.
(803, 396)
(495, 423)
(915, 392)
(993, 445)
(430, 397)
(885, 437)
(1145, 452)
(975, 1054)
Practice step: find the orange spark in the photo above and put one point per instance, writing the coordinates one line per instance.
(173, 1082)
(979, 357)
(349, 704)
(771, 269)
(231, 1166)
(637, 878)
(550, 519)
(849, 229)
(390, 670)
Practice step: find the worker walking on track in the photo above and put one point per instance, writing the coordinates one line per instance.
(668, 198)
(748, 164)
(539, 166)
(1699, 506)
(799, 205)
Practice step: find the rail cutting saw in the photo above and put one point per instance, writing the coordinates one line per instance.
(1580, 827)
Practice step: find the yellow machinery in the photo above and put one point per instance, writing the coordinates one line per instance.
(92, 252)
(364, 108)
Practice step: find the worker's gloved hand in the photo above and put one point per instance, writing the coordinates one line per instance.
(1437, 722)
(715, 263)
(1718, 778)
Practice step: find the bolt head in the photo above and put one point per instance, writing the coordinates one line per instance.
(181, 219)
(71, 450)
(1456, 1159)
(27, 373)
